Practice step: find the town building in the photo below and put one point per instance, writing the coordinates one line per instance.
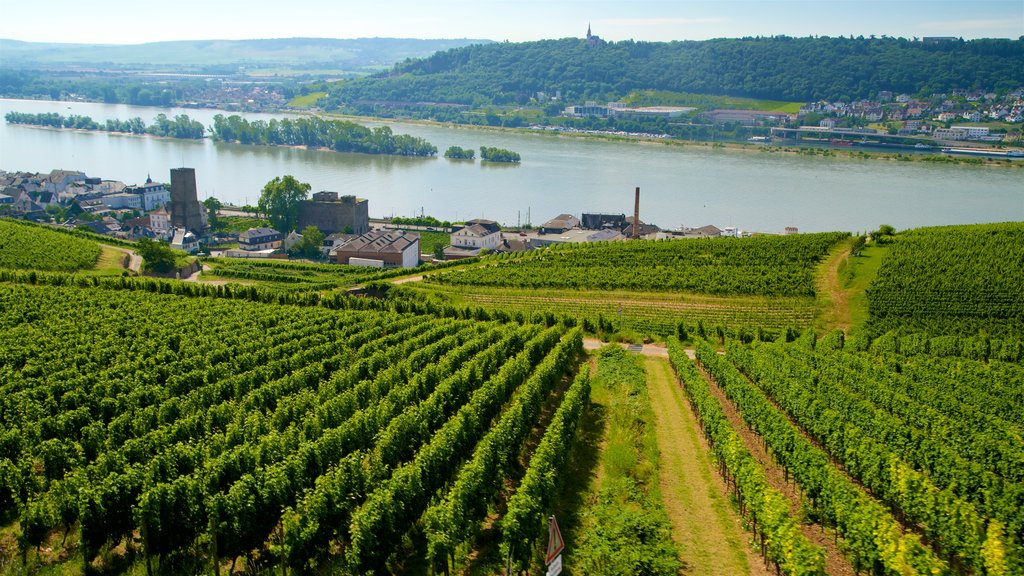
(591, 108)
(949, 134)
(331, 213)
(153, 194)
(575, 236)
(292, 240)
(185, 241)
(746, 117)
(255, 239)
(477, 234)
(28, 209)
(160, 221)
(709, 231)
(59, 180)
(644, 229)
(587, 109)
(334, 241)
(186, 211)
(600, 221)
(972, 131)
(560, 224)
(123, 201)
(381, 248)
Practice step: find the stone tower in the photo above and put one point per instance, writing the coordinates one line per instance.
(186, 211)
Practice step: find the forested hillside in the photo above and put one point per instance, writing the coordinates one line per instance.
(778, 68)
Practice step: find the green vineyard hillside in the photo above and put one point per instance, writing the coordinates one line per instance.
(938, 444)
(761, 266)
(952, 280)
(207, 429)
(24, 245)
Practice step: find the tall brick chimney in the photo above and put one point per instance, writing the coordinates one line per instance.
(636, 215)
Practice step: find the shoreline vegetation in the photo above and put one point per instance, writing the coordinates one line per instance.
(787, 149)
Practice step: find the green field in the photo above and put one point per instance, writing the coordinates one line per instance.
(184, 421)
(287, 275)
(307, 101)
(708, 101)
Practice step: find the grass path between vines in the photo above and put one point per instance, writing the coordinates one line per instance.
(833, 298)
(704, 525)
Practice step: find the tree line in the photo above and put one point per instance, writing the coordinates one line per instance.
(337, 135)
(774, 68)
(181, 126)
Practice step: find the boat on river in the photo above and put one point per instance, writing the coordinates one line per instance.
(985, 152)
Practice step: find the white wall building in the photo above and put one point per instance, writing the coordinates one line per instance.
(263, 238)
(949, 134)
(972, 131)
(123, 200)
(476, 236)
(153, 194)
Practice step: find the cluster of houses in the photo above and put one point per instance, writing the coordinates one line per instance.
(915, 113)
(172, 213)
(106, 206)
(393, 248)
(480, 236)
(109, 207)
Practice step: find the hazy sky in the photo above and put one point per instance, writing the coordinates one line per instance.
(135, 21)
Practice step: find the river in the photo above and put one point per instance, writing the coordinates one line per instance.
(680, 185)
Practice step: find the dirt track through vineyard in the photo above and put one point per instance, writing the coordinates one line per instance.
(704, 524)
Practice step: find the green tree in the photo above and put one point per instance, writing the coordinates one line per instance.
(156, 256)
(280, 199)
(212, 206)
(312, 241)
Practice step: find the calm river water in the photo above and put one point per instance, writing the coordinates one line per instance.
(690, 186)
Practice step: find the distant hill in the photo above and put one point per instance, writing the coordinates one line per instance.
(197, 55)
(775, 68)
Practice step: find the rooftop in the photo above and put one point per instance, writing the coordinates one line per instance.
(381, 241)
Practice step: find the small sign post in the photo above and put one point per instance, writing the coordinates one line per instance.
(555, 568)
(553, 558)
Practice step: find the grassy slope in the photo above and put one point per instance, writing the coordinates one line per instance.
(623, 519)
(306, 101)
(857, 276)
(708, 101)
(111, 260)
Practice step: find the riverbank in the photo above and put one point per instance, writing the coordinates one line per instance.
(789, 149)
(794, 148)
